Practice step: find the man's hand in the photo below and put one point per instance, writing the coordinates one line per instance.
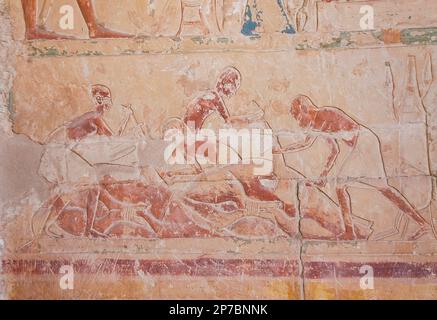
(127, 109)
(322, 180)
(234, 121)
(277, 150)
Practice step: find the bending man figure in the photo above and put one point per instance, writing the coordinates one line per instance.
(55, 160)
(362, 148)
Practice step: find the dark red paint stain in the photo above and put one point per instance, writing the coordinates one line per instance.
(323, 270)
(222, 267)
(125, 267)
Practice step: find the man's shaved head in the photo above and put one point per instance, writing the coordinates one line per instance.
(229, 82)
(301, 105)
(102, 97)
(303, 110)
(99, 89)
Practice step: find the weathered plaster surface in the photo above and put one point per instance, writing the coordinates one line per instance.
(358, 192)
(7, 56)
(6, 77)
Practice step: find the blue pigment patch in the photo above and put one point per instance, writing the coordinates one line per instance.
(289, 29)
(250, 22)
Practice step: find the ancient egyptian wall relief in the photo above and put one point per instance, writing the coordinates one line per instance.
(351, 115)
(95, 170)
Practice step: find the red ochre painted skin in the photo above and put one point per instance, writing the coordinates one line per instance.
(35, 32)
(92, 122)
(333, 125)
(202, 107)
(103, 204)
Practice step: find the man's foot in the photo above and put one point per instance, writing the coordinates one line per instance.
(51, 234)
(96, 234)
(347, 235)
(425, 229)
(40, 33)
(99, 31)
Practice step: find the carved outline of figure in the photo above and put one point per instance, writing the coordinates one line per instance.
(88, 124)
(411, 111)
(204, 105)
(35, 31)
(302, 16)
(112, 198)
(327, 122)
(202, 22)
(214, 100)
(150, 207)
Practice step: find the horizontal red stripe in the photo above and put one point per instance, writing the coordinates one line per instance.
(222, 267)
(324, 270)
(128, 267)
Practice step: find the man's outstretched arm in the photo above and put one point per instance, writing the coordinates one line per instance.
(102, 128)
(295, 147)
(335, 151)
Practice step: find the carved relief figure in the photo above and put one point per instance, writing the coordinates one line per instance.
(62, 155)
(340, 131)
(214, 101)
(242, 207)
(204, 15)
(149, 206)
(36, 31)
(230, 206)
(101, 209)
(153, 210)
(302, 16)
(98, 210)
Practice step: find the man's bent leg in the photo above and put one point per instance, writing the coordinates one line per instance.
(91, 212)
(399, 201)
(346, 211)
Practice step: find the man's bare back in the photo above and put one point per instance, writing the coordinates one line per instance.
(86, 125)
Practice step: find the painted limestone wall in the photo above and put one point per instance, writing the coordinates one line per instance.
(89, 89)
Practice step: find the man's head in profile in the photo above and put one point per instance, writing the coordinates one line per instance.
(101, 97)
(229, 82)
